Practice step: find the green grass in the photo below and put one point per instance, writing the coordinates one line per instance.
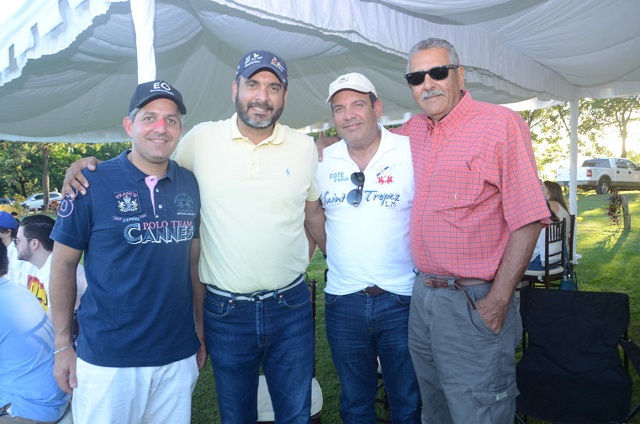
(609, 263)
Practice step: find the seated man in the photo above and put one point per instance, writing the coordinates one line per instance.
(28, 390)
(34, 245)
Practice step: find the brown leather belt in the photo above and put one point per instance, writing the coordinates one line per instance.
(452, 283)
(373, 291)
(442, 283)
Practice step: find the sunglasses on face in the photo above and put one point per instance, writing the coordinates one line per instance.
(355, 196)
(438, 73)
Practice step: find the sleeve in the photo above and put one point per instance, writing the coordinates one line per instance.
(314, 189)
(185, 151)
(522, 198)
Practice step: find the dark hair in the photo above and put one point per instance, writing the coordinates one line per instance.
(4, 260)
(13, 231)
(39, 227)
(555, 193)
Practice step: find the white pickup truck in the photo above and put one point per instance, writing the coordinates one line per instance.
(603, 174)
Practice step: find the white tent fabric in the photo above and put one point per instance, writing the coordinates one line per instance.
(68, 67)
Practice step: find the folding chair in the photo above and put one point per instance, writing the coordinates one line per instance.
(554, 258)
(571, 370)
(265, 407)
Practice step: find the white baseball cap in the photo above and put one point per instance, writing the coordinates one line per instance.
(352, 81)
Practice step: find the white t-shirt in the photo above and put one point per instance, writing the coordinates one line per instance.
(37, 281)
(368, 244)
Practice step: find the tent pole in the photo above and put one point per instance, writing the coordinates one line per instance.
(573, 158)
(143, 13)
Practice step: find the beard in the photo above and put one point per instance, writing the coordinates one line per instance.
(257, 123)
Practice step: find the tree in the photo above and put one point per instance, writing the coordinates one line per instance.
(617, 113)
(22, 164)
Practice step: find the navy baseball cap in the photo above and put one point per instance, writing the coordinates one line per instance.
(152, 90)
(258, 60)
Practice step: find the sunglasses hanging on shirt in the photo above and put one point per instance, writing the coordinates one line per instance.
(355, 196)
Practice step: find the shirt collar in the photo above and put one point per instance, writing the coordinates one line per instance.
(276, 137)
(137, 174)
(387, 142)
(456, 113)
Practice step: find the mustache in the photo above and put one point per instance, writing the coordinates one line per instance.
(431, 93)
(261, 105)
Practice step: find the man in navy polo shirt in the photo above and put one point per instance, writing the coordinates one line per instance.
(139, 349)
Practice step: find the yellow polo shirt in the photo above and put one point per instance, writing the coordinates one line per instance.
(253, 200)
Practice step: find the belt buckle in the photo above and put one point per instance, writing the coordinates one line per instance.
(435, 279)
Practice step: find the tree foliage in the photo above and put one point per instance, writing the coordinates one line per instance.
(21, 163)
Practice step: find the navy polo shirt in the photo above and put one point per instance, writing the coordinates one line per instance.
(137, 310)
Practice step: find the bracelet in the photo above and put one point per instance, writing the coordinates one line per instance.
(55, 352)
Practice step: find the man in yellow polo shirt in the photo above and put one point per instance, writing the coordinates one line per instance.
(259, 191)
(258, 188)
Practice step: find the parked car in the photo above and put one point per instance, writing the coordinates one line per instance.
(36, 201)
(603, 174)
(6, 204)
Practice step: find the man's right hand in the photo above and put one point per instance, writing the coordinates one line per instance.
(73, 178)
(64, 370)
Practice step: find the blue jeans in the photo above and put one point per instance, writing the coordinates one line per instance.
(276, 333)
(361, 328)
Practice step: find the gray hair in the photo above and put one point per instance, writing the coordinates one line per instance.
(134, 112)
(430, 43)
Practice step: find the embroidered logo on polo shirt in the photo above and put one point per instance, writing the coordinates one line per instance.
(384, 175)
(128, 202)
(184, 204)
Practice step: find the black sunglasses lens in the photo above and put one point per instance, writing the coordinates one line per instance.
(357, 178)
(355, 196)
(438, 73)
(415, 78)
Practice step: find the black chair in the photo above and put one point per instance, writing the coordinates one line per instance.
(571, 370)
(571, 236)
(551, 275)
(265, 407)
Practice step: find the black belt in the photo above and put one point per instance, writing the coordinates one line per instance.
(256, 296)
(373, 291)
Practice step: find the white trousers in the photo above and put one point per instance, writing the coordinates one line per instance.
(154, 395)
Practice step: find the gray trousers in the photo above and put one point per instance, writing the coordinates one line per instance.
(466, 372)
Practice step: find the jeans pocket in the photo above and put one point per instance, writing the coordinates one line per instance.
(402, 299)
(331, 299)
(216, 308)
(296, 297)
(495, 405)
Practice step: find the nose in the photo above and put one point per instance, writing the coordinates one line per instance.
(160, 125)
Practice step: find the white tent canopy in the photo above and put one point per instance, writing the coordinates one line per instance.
(68, 67)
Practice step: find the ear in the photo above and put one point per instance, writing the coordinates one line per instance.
(234, 91)
(127, 123)
(460, 75)
(377, 107)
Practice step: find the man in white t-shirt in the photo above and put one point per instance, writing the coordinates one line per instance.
(34, 245)
(366, 185)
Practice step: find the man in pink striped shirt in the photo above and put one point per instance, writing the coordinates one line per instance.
(477, 212)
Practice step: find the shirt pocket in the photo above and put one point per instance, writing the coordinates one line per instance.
(455, 189)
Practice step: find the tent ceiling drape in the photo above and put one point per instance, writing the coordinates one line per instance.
(68, 67)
